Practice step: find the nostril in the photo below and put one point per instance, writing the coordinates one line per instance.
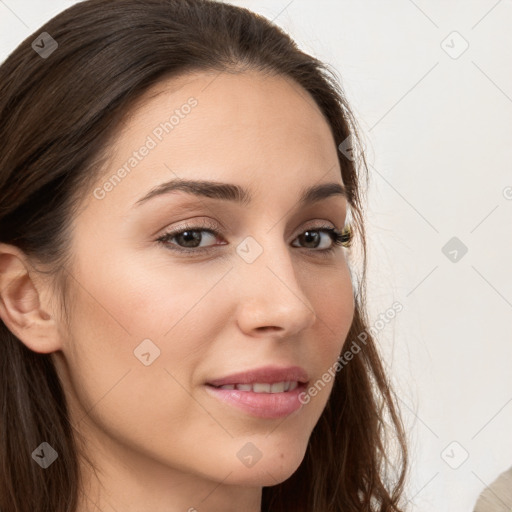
(269, 328)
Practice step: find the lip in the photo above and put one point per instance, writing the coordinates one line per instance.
(264, 374)
(262, 405)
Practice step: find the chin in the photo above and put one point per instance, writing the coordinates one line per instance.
(265, 476)
(274, 466)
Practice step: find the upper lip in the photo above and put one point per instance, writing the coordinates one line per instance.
(264, 374)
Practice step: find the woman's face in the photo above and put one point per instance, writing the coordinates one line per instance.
(151, 326)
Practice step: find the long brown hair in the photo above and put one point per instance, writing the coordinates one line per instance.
(58, 117)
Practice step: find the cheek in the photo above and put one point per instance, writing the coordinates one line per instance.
(331, 295)
(117, 396)
(126, 315)
(142, 297)
(121, 303)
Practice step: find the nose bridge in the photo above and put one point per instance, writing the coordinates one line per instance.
(272, 284)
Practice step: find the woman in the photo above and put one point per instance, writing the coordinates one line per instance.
(179, 322)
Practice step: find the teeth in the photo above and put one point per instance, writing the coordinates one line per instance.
(278, 387)
(264, 387)
(261, 388)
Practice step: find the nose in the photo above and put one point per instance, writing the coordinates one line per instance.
(271, 298)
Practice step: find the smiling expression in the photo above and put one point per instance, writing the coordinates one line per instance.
(153, 325)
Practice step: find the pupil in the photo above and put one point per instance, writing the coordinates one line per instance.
(311, 236)
(191, 236)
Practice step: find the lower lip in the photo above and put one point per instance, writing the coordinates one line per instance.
(262, 405)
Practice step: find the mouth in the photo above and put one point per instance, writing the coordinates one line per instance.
(261, 399)
(263, 387)
(261, 378)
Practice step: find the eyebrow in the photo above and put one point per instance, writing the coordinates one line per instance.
(236, 193)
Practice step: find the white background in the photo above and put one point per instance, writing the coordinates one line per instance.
(438, 131)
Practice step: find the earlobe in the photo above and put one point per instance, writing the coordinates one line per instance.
(21, 308)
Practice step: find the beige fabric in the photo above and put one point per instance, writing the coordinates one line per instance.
(498, 496)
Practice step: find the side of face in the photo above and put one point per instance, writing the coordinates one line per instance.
(150, 326)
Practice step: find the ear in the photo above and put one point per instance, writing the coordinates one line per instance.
(24, 307)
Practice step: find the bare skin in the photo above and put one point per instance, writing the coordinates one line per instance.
(159, 441)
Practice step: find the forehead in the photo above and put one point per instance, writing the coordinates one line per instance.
(227, 104)
(248, 128)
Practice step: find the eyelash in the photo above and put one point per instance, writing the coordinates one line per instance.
(338, 239)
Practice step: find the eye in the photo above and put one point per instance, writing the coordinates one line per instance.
(190, 236)
(312, 236)
(187, 239)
